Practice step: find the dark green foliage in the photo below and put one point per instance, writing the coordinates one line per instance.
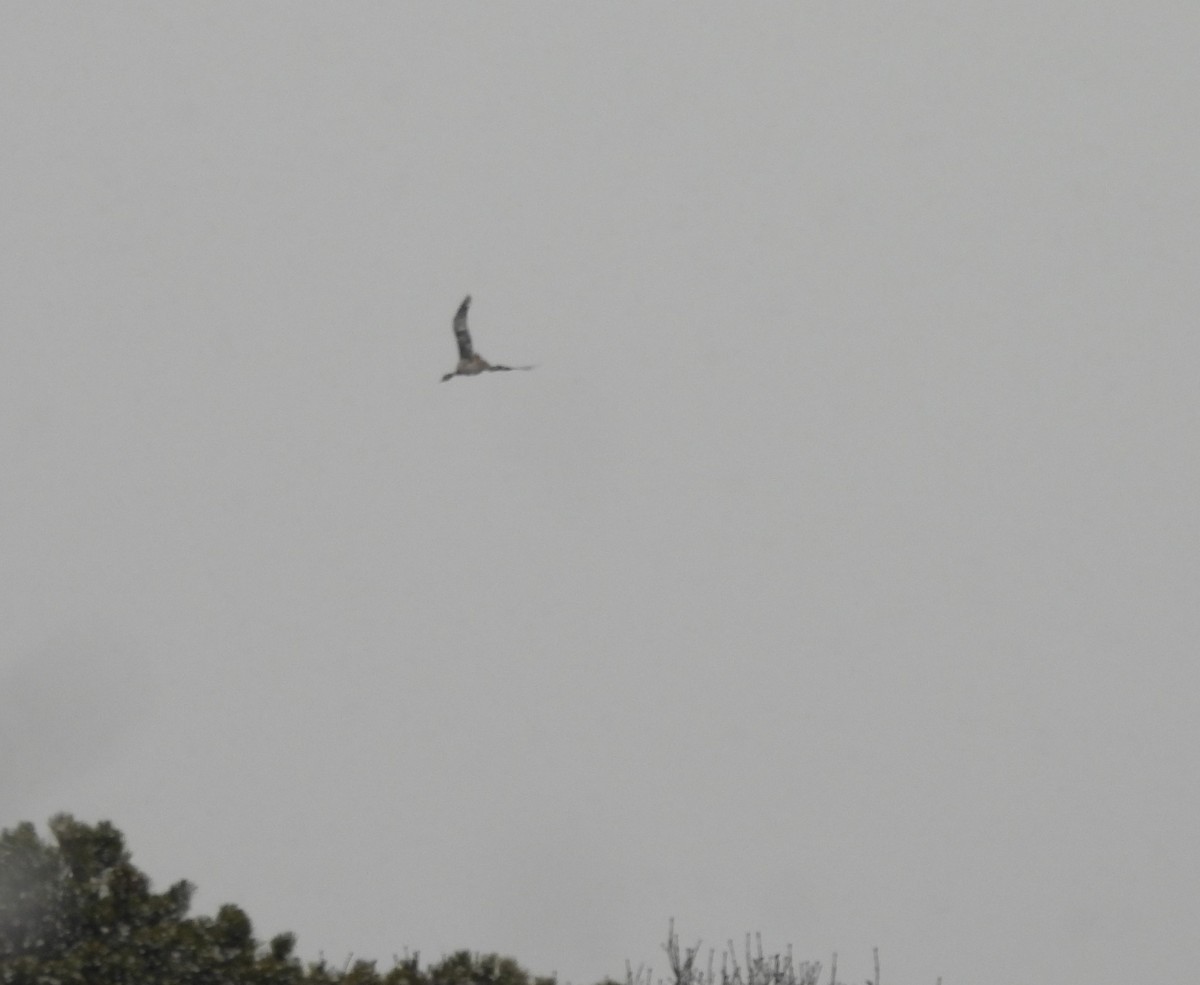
(282, 946)
(78, 911)
(75, 911)
(463, 968)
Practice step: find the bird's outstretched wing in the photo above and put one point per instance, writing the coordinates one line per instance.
(466, 351)
(511, 368)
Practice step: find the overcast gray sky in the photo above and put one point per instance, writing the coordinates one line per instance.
(834, 575)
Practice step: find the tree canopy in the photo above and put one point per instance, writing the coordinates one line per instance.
(74, 910)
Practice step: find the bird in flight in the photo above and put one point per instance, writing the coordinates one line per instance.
(470, 363)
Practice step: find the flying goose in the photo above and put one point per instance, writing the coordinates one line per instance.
(470, 363)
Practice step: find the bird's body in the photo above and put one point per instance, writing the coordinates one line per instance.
(470, 363)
